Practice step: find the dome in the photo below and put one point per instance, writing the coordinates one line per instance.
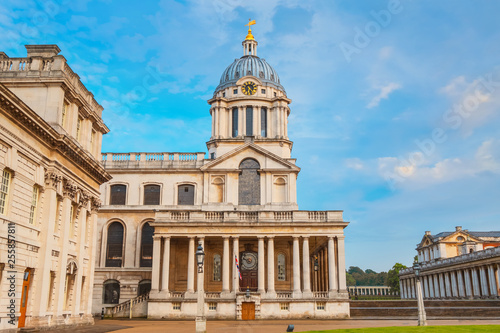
(249, 65)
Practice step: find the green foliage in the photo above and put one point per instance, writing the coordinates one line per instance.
(418, 329)
(393, 277)
(356, 276)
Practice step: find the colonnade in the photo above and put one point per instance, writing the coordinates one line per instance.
(329, 279)
(371, 291)
(480, 281)
(222, 120)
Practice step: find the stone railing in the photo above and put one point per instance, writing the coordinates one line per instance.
(127, 304)
(464, 258)
(320, 294)
(239, 216)
(283, 295)
(177, 294)
(212, 295)
(37, 67)
(152, 160)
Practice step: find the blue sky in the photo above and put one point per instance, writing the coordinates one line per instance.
(395, 114)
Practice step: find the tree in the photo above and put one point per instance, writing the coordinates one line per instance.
(349, 279)
(393, 277)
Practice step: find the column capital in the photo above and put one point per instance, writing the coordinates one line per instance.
(306, 237)
(296, 237)
(225, 236)
(235, 237)
(270, 237)
(259, 237)
(166, 237)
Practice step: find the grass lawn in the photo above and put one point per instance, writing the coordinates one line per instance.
(417, 329)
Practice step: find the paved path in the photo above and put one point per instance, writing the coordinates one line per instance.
(264, 326)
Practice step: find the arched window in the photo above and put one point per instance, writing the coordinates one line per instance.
(217, 267)
(111, 292)
(114, 252)
(118, 194)
(147, 245)
(144, 287)
(152, 194)
(186, 195)
(281, 267)
(249, 183)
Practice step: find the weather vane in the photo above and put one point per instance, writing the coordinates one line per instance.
(250, 23)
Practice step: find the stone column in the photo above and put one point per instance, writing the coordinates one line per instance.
(271, 293)
(430, 280)
(341, 263)
(325, 269)
(306, 266)
(412, 288)
(225, 265)
(261, 264)
(425, 282)
(493, 282)
(401, 289)
(483, 281)
(42, 292)
(297, 293)
(468, 283)
(191, 263)
(460, 283)
(442, 290)
(446, 277)
(155, 276)
(95, 203)
(236, 275)
(454, 287)
(165, 274)
(332, 274)
(82, 220)
(475, 283)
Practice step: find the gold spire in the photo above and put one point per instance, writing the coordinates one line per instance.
(250, 23)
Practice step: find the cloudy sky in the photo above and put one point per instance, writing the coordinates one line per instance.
(395, 114)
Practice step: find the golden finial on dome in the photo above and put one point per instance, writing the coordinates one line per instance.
(250, 23)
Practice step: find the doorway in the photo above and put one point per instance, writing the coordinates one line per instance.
(248, 311)
(24, 297)
(249, 270)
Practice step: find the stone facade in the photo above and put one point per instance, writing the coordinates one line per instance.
(240, 204)
(50, 138)
(456, 265)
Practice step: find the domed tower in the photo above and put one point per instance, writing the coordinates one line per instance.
(249, 105)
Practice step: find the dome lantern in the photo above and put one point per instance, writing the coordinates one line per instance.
(250, 44)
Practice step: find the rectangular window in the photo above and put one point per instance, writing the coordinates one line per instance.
(152, 194)
(235, 123)
(78, 128)
(212, 306)
(320, 306)
(249, 116)
(34, 204)
(263, 91)
(284, 306)
(235, 91)
(118, 195)
(176, 306)
(263, 122)
(4, 191)
(92, 140)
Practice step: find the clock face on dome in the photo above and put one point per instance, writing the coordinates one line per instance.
(249, 88)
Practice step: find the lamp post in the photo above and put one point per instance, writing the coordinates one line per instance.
(201, 322)
(422, 320)
(316, 269)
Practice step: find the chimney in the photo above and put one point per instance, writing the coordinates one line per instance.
(427, 233)
(46, 51)
(458, 228)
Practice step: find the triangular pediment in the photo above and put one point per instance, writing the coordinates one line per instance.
(426, 241)
(267, 160)
(460, 236)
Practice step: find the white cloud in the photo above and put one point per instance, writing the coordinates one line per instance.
(383, 94)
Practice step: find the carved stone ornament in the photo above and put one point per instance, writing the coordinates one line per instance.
(52, 179)
(69, 189)
(84, 199)
(95, 204)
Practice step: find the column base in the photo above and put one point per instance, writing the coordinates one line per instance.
(333, 294)
(271, 295)
(307, 294)
(201, 325)
(191, 295)
(226, 294)
(297, 294)
(164, 294)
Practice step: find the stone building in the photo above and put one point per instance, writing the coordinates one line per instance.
(50, 173)
(454, 265)
(239, 203)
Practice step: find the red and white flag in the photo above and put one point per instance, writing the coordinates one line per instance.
(238, 266)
